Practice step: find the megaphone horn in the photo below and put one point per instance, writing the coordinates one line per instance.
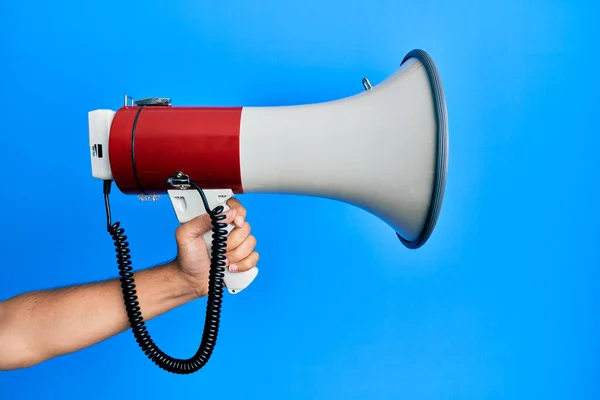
(384, 150)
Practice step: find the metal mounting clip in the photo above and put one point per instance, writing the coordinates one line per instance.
(366, 84)
(148, 101)
(153, 101)
(179, 180)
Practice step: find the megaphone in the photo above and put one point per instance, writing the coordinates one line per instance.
(384, 150)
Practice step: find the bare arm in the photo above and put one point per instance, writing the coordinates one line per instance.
(37, 326)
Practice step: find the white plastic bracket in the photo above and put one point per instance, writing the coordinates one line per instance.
(188, 205)
(99, 122)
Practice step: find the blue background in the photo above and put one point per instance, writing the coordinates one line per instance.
(502, 302)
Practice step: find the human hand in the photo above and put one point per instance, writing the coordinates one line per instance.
(192, 255)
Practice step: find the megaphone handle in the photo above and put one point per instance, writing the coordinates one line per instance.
(188, 205)
(235, 281)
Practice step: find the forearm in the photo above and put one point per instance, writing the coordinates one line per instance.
(41, 325)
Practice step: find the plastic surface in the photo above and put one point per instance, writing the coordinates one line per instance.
(99, 122)
(393, 136)
(377, 150)
(149, 144)
(439, 184)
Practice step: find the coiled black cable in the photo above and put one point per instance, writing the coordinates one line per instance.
(215, 292)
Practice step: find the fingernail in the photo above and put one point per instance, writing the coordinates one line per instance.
(233, 267)
(239, 221)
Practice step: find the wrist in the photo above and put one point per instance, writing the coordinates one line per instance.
(190, 284)
(182, 284)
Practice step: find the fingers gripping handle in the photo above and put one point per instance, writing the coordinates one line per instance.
(235, 281)
(188, 205)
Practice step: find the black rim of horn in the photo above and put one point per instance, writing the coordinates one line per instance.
(439, 184)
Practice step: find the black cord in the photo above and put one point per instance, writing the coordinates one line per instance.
(215, 292)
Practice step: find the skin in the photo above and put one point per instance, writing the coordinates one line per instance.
(40, 325)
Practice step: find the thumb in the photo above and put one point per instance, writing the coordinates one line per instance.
(202, 224)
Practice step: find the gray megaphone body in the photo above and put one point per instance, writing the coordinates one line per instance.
(384, 150)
